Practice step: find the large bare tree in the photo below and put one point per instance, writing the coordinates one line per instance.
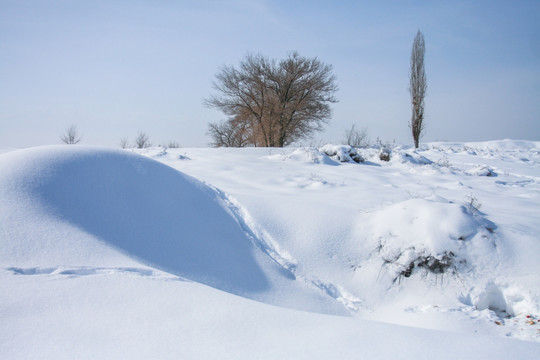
(418, 87)
(273, 103)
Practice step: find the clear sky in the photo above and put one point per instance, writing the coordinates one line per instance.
(116, 67)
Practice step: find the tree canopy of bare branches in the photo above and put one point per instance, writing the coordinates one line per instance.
(229, 134)
(71, 136)
(418, 87)
(271, 103)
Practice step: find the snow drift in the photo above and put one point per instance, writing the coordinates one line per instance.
(89, 207)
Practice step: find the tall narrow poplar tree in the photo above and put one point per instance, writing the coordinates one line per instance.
(418, 87)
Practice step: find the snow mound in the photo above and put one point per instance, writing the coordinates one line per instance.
(305, 155)
(503, 299)
(481, 170)
(424, 235)
(413, 158)
(86, 207)
(492, 298)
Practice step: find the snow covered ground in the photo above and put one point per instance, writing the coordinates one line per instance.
(267, 253)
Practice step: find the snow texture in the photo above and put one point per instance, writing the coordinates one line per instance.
(160, 253)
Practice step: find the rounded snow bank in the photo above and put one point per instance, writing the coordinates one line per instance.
(84, 206)
(430, 236)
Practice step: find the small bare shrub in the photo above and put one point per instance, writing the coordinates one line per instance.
(124, 143)
(71, 136)
(472, 204)
(142, 141)
(357, 138)
(172, 144)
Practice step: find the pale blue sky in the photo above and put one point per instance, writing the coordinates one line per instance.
(115, 67)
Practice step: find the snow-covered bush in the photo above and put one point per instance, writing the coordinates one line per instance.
(385, 154)
(162, 151)
(342, 153)
(428, 237)
(472, 204)
(481, 170)
(421, 261)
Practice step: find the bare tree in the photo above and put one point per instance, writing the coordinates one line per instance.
(173, 144)
(418, 87)
(71, 136)
(274, 103)
(142, 141)
(124, 142)
(357, 138)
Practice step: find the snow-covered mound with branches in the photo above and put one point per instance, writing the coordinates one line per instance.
(431, 236)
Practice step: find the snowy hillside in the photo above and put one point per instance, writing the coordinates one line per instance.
(266, 253)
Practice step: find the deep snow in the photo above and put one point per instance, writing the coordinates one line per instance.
(109, 254)
(96, 208)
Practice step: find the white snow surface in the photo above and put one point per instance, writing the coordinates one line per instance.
(268, 253)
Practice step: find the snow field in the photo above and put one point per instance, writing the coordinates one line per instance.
(332, 218)
(108, 254)
(128, 315)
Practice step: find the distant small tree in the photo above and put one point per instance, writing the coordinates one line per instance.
(142, 141)
(71, 136)
(357, 138)
(173, 144)
(418, 87)
(124, 142)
